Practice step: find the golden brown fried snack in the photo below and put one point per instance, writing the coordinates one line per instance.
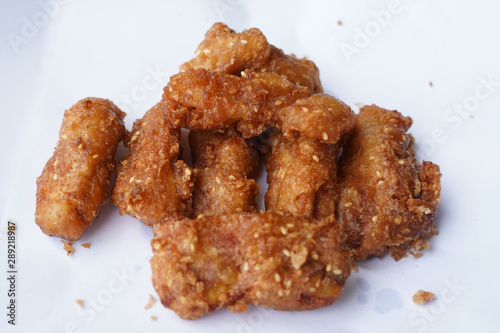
(203, 99)
(225, 51)
(75, 181)
(302, 175)
(152, 183)
(387, 199)
(282, 262)
(226, 164)
(301, 72)
(321, 117)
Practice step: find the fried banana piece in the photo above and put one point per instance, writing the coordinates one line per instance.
(321, 117)
(387, 199)
(75, 181)
(230, 260)
(301, 174)
(226, 165)
(301, 72)
(152, 183)
(225, 51)
(202, 99)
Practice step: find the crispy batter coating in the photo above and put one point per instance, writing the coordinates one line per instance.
(387, 199)
(321, 117)
(152, 183)
(203, 99)
(301, 174)
(282, 262)
(75, 181)
(301, 72)
(226, 164)
(225, 51)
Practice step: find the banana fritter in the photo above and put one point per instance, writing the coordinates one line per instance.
(301, 174)
(152, 183)
(226, 165)
(266, 259)
(75, 181)
(387, 199)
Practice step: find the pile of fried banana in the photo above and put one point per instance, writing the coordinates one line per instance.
(342, 187)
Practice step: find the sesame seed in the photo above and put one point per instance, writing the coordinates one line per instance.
(232, 177)
(191, 247)
(401, 162)
(55, 176)
(325, 136)
(200, 216)
(314, 255)
(379, 174)
(258, 294)
(277, 277)
(256, 235)
(245, 266)
(427, 211)
(312, 289)
(284, 231)
(348, 204)
(131, 179)
(56, 162)
(243, 74)
(316, 158)
(328, 267)
(305, 109)
(64, 136)
(371, 157)
(244, 41)
(337, 271)
(278, 102)
(375, 218)
(95, 156)
(288, 283)
(280, 292)
(286, 252)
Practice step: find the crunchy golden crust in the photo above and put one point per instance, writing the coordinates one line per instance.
(301, 72)
(225, 51)
(321, 117)
(203, 99)
(226, 164)
(75, 181)
(152, 183)
(387, 199)
(266, 259)
(301, 174)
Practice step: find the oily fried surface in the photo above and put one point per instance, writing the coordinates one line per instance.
(387, 199)
(266, 259)
(321, 117)
(75, 181)
(203, 99)
(301, 72)
(225, 51)
(301, 174)
(226, 164)
(152, 183)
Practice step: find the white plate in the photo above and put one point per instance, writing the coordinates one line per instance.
(384, 52)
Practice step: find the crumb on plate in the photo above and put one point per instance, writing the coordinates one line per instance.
(86, 245)
(68, 246)
(150, 303)
(154, 318)
(79, 302)
(423, 297)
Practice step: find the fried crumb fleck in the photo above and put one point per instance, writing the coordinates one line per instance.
(154, 318)
(423, 297)
(430, 84)
(79, 302)
(339, 22)
(68, 246)
(150, 303)
(86, 245)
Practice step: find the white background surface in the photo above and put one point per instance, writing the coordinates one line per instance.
(111, 48)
